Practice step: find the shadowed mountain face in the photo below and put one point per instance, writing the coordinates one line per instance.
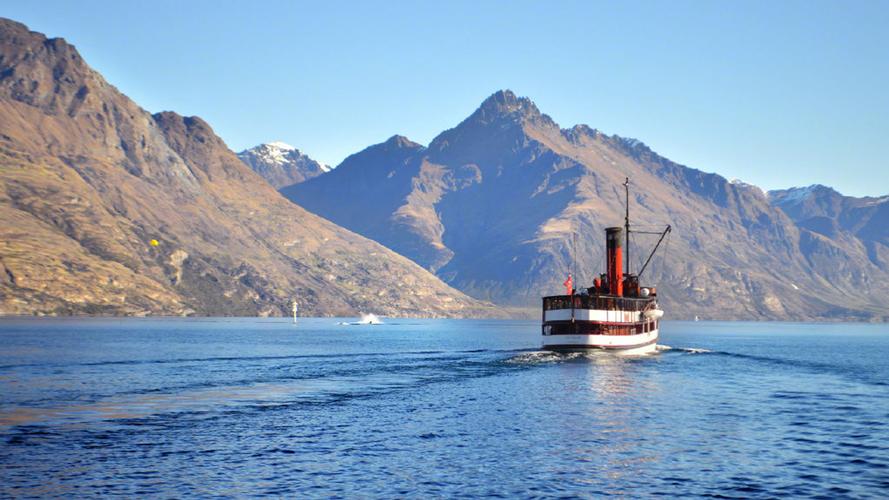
(108, 209)
(281, 164)
(491, 205)
(849, 221)
(827, 212)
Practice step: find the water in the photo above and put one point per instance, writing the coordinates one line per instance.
(438, 408)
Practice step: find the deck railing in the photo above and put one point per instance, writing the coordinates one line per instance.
(597, 302)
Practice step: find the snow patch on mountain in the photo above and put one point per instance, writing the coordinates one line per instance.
(875, 201)
(795, 194)
(747, 185)
(280, 145)
(282, 164)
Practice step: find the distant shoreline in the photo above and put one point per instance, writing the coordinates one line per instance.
(876, 321)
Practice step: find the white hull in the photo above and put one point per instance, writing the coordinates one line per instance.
(643, 343)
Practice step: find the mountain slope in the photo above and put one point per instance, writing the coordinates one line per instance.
(367, 188)
(88, 180)
(491, 206)
(850, 221)
(281, 164)
(825, 211)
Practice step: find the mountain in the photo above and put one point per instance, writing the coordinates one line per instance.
(854, 222)
(491, 205)
(281, 164)
(108, 209)
(823, 210)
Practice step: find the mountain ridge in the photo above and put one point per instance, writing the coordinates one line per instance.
(489, 205)
(825, 211)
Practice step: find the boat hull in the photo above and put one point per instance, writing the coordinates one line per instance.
(643, 343)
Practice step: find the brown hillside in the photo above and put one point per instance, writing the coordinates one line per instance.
(88, 179)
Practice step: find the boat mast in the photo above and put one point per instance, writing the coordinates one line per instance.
(574, 258)
(627, 224)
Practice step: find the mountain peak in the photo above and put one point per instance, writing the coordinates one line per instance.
(578, 133)
(401, 142)
(505, 102)
(504, 96)
(9, 28)
(16, 33)
(275, 152)
(281, 164)
(191, 124)
(800, 194)
(47, 73)
(18, 44)
(279, 145)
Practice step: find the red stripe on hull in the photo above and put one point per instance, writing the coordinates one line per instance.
(597, 328)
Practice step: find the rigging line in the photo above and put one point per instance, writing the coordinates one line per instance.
(641, 258)
(651, 255)
(664, 256)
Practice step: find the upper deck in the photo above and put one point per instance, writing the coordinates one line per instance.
(598, 301)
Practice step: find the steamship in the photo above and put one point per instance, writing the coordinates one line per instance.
(616, 313)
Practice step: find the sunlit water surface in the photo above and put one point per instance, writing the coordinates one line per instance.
(236, 407)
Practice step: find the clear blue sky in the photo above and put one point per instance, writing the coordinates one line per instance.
(774, 93)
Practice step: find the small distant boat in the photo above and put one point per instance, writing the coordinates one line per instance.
(366, 319)
(616, 313)
(295, 310)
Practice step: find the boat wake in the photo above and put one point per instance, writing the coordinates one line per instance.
(366, 319)
(540, 357)
(685, 350)
(695, 350)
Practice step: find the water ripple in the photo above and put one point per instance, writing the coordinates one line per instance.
(436, 409)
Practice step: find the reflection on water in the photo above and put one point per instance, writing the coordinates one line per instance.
(143, 405)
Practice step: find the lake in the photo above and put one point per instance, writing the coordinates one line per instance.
(418, 408)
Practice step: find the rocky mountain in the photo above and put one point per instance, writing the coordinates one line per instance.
(491, 205)
(108, 209)
(281, 164)
(823, 210)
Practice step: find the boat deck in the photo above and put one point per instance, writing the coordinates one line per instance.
(600, 301)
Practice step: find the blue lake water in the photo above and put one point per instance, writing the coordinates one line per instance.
(244, 407)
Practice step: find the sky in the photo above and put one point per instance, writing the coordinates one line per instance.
(776, 94)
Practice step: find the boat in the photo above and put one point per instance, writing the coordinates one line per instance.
(615, 313)
(366, 319)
